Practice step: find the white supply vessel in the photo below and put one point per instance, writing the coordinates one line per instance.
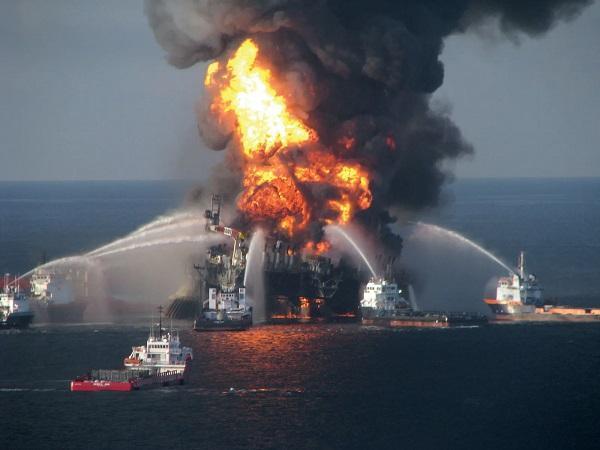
(383, 305)
(519, 297)
(161, 362)
(14, 306)
(163, 352)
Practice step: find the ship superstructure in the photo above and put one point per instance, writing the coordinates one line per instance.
(226, 306)
(163, 351)
(518, 293)
(14, 306)
(381, 297)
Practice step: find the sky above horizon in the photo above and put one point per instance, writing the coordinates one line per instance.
(87, 94)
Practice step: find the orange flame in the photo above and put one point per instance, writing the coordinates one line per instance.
(264, 122)
(317, 248)
(275, 188)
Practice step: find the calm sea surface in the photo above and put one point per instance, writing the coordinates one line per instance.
(315, 386)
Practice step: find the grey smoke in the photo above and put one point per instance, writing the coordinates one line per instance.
(354, 68)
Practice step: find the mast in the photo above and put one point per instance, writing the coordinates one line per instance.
(521, 265)
(160, 310)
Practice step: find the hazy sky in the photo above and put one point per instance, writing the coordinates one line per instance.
(85, 93)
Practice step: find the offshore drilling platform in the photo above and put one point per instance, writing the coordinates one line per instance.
(300, 283)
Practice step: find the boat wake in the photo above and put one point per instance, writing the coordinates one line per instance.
(21, 389)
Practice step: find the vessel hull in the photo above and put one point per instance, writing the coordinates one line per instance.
(202, 324)
(422, 319)
(17, 320)
(64, 313)
(545, 317)
(100, 385)
(87, 384)
(404, 323)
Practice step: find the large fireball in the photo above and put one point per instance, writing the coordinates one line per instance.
(278, 189)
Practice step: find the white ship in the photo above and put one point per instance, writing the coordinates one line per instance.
(14, 306)
(381, 297)
(383, 305)
(518, 293)
(519, 297)
(161, 362)
(163, 352)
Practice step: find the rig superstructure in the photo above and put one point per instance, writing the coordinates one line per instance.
(222, 279)
(300, 283)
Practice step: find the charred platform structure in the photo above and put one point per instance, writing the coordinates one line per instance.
(304, 286)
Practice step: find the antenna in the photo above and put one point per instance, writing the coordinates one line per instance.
(152, 324)
(160, 310)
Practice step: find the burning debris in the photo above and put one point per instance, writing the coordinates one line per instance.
(323, 105)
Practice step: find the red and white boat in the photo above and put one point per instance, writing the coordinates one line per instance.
(162, 361)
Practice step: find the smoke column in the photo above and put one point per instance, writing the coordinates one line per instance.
(358, 73)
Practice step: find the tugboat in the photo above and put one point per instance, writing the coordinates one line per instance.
(162, 361)
(383, 305)
(226, 308)
(14, 306)
(519, 297)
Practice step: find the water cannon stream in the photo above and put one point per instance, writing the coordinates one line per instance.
(459, 237)
(340, 231)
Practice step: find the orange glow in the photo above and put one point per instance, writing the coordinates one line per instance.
(390, 142)
(211, 70)
(264, 122)
(317, 249)
(276, 187)
(322, 247)
(271, 194)
(347, 142)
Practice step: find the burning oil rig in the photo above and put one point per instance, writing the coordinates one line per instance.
(300, 284)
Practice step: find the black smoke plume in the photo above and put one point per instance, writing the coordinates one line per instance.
(359, 69)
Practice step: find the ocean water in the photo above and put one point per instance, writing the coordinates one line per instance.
(55, 219)
(556, 222)
(315, 386)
